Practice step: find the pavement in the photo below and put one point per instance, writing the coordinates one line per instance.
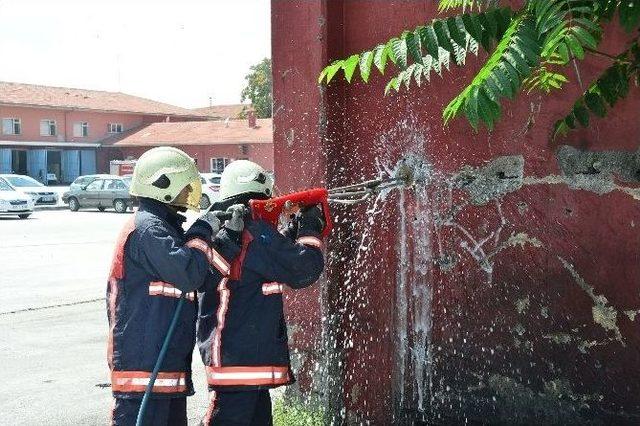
(53, 322)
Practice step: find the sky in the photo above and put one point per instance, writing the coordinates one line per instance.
(180, 52)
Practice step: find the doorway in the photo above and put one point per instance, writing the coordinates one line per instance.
(54, 167)
(19, 161)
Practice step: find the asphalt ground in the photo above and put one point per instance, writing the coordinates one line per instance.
(53, 323)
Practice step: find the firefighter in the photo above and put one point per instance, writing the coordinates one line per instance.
(242, 333)
(155, 262)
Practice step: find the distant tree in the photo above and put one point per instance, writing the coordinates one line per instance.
(259, 88)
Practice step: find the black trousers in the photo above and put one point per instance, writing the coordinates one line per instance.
(251, 408)
(159, 412)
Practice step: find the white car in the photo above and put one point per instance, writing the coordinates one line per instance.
(14, 203)
(40, 193)
(210, 189)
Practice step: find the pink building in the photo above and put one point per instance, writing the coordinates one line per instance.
(57, 131)
(212, 143)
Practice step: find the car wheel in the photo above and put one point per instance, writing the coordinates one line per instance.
(120, 206)
(74, 205)
(24, 216)
(205, 202)
(101, 208)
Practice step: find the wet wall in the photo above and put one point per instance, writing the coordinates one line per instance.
(505, 286)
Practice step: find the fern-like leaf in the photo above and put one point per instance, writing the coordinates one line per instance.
(442, 39)
(611, 86)
(500, 77)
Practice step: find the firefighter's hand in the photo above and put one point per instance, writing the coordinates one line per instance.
(311, 221)
(236, 223)
(212, 220)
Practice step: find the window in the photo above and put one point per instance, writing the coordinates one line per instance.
(47, 127)
(218, 164)
(95, 185)
(81, 130)
(11, 126)
(114, 185)
(115, 128)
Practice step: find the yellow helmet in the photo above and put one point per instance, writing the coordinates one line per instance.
(163, 173)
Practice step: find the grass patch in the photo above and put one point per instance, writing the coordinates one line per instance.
(295, 414)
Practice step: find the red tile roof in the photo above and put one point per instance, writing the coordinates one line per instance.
(222, 112)
(195, 133)
(32, 95)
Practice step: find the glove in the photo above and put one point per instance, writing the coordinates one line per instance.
(236, 223)
(212, 220)
(291, 230)
(311, 221)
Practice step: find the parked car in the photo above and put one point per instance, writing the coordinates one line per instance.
(14, 203)
(40, 194)
(85, 180)
(101, 193)
(210, 189)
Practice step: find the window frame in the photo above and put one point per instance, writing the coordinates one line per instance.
(110, 128)
(51, 125)
(214, 160)
(84, 129)
(14, 122)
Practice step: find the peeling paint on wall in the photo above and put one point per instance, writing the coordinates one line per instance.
(604, 314)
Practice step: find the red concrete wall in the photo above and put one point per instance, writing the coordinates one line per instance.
(441, 305)
(259, 153)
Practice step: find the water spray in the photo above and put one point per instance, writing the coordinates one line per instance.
(409, 172)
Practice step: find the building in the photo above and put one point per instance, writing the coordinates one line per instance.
(224, 112)
(213, 144)
(57, 131)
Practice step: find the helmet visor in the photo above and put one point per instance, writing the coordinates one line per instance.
(190, 196)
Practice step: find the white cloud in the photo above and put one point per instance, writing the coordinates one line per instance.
(180, 52)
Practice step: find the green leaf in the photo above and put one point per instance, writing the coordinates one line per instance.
(349, 66)
(443, 35)
(472, 26)
(394, 83)
(585, 37)
(430, 41)
(454, 24)
(380, 56)
(575, 47)
(595, 104)
(414, 46)
(400, 51)
(333, 69)
(488, 110)
(489, 24)
(582, 115)
(366, 62)
(499, 76)
(517, 62)
(629, 11)
(471, 108)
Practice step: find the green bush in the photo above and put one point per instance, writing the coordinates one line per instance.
(295, 414)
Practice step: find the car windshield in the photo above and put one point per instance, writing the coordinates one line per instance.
(22, 181)
(215, 180)
(4, 186)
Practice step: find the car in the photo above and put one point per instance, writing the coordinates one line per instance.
(85, 180)
(210, 189)
(101, 193)
(13, 202)
(41, 194)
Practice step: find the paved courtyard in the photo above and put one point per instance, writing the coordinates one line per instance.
(53, 272)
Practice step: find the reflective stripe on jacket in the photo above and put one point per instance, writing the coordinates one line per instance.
(242, 334)
(154, 264)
